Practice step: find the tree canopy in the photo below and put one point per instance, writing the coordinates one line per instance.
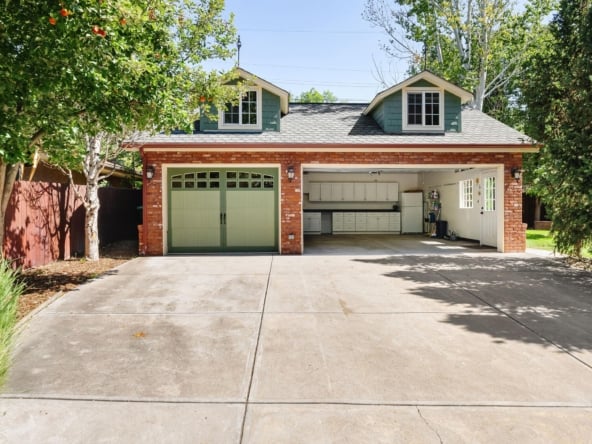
(314, 96)
(74, 71)
(477, 44)
(557, 92)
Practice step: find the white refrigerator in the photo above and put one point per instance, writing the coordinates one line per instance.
(412, 212)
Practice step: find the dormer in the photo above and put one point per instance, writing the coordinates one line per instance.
(424, 103)
(259, 109)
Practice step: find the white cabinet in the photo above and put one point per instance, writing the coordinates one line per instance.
(337, 192)
(347, 191)
(314, 191)
(338, 221)
(370, 191)
(349, 221)
(372, 221)
(311, 222)
(359, 191)
(394, 221)
(362, 221)
(387, 192)
(326, 192)
(353, 191)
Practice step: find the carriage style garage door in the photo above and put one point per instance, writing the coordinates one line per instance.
(223, 209)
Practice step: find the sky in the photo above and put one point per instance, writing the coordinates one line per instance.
(322, 44)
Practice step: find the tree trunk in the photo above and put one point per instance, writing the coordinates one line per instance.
(8, 175)
(91, 243)
(92, 170)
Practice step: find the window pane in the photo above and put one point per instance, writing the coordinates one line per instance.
(176, 184)
(190, 184)
(432, 109)
(466, 193)
(414, 105)
(231, 115)
(231, 175)
(256, 184)
(202, 175)
(268, 184)
(215, 175)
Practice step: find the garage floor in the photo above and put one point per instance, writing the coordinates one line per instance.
(428, 346)
(388, 244)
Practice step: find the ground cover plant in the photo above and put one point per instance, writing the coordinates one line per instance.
(10, 291)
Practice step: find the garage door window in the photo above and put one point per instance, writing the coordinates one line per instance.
(191, 181)
(249, 180)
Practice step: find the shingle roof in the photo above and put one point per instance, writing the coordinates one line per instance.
(344, 124)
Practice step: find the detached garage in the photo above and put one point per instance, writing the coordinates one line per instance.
(266, 173)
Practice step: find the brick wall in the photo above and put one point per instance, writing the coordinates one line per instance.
(291, 192)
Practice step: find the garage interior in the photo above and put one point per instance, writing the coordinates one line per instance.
(378, 202)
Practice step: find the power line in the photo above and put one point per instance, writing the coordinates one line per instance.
(309, 31)
(309, 67)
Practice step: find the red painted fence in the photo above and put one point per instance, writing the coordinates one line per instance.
(45, 221)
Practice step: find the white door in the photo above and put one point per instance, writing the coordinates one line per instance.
(488, 209)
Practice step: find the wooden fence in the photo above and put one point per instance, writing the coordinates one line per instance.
(45, 221)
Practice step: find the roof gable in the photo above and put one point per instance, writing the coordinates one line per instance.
(420, 80)
(258, 81)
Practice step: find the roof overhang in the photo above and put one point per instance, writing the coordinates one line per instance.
(464, 95)
(336, 147)
(258, 81)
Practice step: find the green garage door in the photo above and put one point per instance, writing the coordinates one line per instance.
(233, 209)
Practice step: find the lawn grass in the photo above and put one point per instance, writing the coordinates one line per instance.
(540, 239)
(543, 240)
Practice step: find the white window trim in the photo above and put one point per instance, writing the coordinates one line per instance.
(423, 127)
(240, 126)
(463, 194)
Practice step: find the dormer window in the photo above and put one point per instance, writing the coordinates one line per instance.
(423, 109)
(245, 115)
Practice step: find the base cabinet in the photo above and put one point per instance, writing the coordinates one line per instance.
(361, 221)
(311, 223)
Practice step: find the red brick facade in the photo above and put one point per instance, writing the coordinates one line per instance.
(291, 191)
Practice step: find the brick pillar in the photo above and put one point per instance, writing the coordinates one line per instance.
(291, 241)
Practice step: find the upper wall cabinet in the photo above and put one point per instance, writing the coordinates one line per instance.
(353, 192)
(424, 103)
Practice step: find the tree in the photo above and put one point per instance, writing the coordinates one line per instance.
(80, 72)
(314, 96)
(557, 91)
(478, 44)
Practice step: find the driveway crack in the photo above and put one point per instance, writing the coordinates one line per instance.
(427, 423)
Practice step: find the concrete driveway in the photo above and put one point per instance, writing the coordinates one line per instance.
(435, 345)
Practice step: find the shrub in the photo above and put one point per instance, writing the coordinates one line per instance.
(10, 291)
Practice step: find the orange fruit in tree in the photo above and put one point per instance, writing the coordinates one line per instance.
(52, 21)
(64, 12)
(123, 21)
